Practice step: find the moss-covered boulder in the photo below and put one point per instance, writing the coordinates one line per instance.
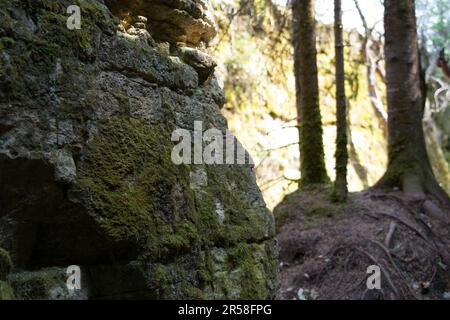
(86, 176)
(45, 284)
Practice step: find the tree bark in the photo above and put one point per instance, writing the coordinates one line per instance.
(312, 162)
(341, 189)
(408, 167)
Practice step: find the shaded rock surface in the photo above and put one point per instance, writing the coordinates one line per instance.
(86, 176)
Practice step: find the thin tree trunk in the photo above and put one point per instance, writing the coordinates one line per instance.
(409, 166)
(312, 162)
(341, 109)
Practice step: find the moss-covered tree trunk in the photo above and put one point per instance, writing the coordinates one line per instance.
(312, 163)
(409, 167)
(340, 188)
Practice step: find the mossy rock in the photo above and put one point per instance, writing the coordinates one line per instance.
(130, 206)
(138, 197)
(6, 264)
(45, 284)
(244, 274)
(311, 204)
(130, 184)
(6, 292)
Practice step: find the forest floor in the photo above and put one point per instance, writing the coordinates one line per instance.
(326, 248)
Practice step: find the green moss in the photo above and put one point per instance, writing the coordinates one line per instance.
(312, 156)
(5, 42)
(131, 181)
(130, 185)
(37, 285)
(34, 54)
(311, 205)
(252, 277)
(161, 280)
(282, 217)
(6, 264)
(53, 5)
(6, 292)
(97, 15)
(243, 222)
(192, 293)
(393, 177)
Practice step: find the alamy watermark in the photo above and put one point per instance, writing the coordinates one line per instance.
(74, 21)
(374, 280)
(219, 148)
(74, 278)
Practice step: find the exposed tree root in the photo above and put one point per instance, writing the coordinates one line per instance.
(330, 256)
(390, 233)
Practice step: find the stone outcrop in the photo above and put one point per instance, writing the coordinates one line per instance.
(186, 21)
(86, 176)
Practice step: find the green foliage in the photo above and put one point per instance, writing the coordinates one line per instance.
(434, 23)
(312, 205)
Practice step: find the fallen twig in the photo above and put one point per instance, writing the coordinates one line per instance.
(390, 233)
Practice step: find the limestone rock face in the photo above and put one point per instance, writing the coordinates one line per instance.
(188, 21)
(86, 176)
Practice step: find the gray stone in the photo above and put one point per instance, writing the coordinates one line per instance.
(65, 169)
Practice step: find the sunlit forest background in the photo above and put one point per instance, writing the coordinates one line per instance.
(255, 52)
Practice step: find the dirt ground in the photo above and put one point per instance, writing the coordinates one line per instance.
(326, 248)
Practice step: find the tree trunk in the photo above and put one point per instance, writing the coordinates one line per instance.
(409, 167)
(341, 109)
(312, 162)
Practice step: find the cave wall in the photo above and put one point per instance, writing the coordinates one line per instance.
(86, 176)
